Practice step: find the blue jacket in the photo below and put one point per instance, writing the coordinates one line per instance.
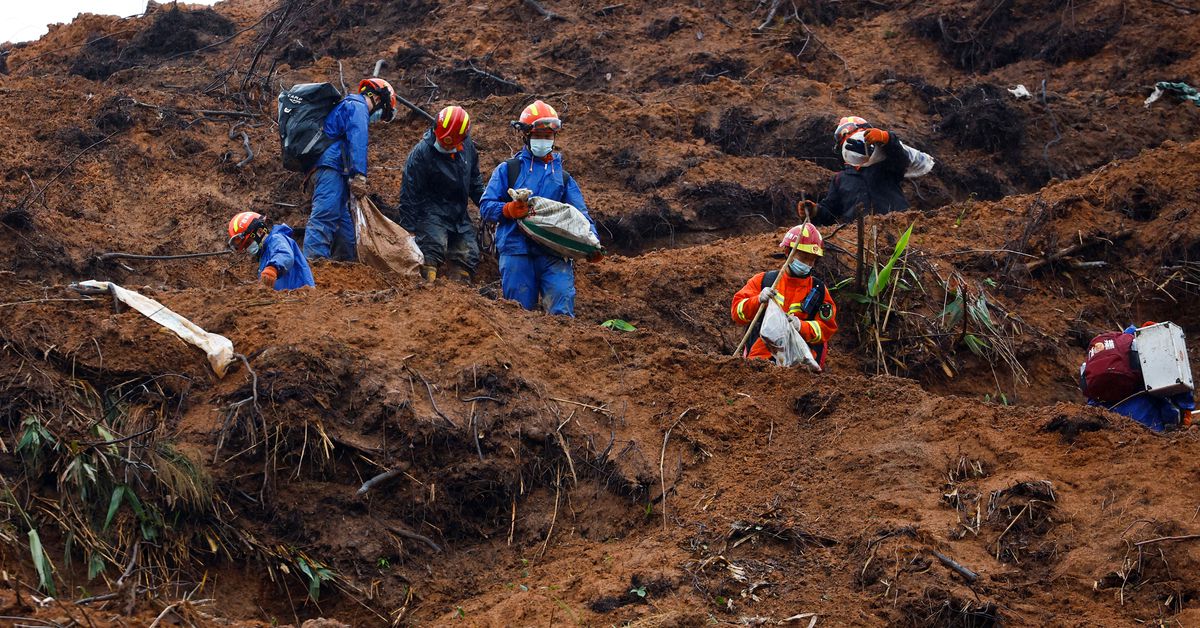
(282, 252)
(546, 181)
(347, 125)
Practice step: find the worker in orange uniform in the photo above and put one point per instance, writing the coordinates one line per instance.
(803, 296)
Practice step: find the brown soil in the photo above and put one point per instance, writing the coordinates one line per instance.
(555, 472)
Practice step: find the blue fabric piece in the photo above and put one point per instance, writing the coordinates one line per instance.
(1156, 413)
(524, 277)
(546, 181)
(330, 226)
(282, 252)
(347, 126)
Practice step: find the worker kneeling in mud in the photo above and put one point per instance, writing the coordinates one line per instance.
(1141, 373)
(440, 176)
(281, 262)
(801, 296)
(876, 163)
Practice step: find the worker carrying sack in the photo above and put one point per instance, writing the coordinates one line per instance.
(783, 340)
(383, 244)
(1112, 371)
(557, 226)
(301, 116)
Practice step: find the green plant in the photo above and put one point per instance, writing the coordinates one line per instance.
(966, 206)
(315, 573)
(34, 438)
(458, 610)
(639, 591)
(970, 315)
(878, 305)
(383, 563)
(618, 325)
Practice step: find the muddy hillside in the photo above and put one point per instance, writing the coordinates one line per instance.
(397, 453)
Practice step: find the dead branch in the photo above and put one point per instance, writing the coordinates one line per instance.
(433, 401)
(1163, 539)
(416, 108)
(488, 75)
(969, 575)
(602, 11)
(770, 15)
(245, 143)
(1178, 7)
(29, 200)
(408, 534)
(103, 257)
(195, 112)
(543, 11)
(554, 518)
(379, 479)
(662, 476)
(1075, 248)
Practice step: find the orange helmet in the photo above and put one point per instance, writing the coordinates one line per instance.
(382, 89)
(804, 238)
(846, 126)
(242, 228)
(538, 115)
(452, 126)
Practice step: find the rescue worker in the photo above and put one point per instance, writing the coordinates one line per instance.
(529, 271)
(802, 296)
(342, 169)
(876, 163)
(440, 176)
(1155, 412)
(281, 265)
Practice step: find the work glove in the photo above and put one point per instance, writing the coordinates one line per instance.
(596, 256)
(268, 277)
(767, 294)
(516, 210)
(358, 185)
(806, 209)
(876, 136)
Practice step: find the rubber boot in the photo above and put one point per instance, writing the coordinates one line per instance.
(459, 274)
(429, 273)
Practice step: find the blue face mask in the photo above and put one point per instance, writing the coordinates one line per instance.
(376, 115)
(798, 268)
(254, 249)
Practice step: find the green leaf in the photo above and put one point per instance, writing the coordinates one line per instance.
(975, 344)
(954, 309)
(618, 324)
(859, 298)
(114, 504)
(841, 284)
(95, 567)
(885, 274)
(872, 283)
(41, 562)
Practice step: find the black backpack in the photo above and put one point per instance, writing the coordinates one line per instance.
(302, 112)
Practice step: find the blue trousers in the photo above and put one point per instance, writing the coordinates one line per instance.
(330, 229)
(524, 278)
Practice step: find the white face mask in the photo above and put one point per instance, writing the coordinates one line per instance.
(540, 148)
(442, 149)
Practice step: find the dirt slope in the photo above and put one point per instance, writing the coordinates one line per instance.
(550, 471)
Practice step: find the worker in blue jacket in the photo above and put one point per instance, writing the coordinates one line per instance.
(530, 272)
(281, 264)
(342, 169)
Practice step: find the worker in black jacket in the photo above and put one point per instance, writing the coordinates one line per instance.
(440, 176)
(876, 162)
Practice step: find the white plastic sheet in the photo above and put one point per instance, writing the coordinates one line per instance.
(219, 348)
(783, 340)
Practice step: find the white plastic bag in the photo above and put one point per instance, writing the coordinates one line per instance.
(557, 226)
(919, 163)
(219, 348)
(783, 340)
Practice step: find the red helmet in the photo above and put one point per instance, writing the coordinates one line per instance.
(804, 238)
(452, 126)
(383, 90)
(848, 125)
(242, 228)
(538, 115)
